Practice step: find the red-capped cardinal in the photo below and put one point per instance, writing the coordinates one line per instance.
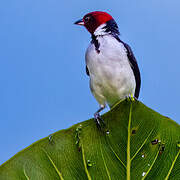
(110, 63)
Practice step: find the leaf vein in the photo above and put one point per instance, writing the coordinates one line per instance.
(26, 174)
(116, 155)
(151, 165)
(142, 145)
(85, 165)
(170, 170)
(105, 165)
(55, 167)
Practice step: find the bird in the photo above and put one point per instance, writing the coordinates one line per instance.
(110, 63)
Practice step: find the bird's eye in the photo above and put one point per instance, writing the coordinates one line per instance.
(87, 18)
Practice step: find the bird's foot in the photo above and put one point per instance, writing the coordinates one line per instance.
(99, 121)
(131, 98)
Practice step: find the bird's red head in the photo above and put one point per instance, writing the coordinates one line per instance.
(93, 20)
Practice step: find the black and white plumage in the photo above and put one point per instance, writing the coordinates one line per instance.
(110, 63)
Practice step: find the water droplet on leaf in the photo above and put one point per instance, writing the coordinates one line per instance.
(143, 174)
(107, 132)
(77, 136)
(89, 164)
(78, 129)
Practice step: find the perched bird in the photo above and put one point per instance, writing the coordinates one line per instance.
(110, 63)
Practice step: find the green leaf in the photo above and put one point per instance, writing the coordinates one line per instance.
(137, 143)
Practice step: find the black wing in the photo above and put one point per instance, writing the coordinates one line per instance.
(135, 68)
(87, 71)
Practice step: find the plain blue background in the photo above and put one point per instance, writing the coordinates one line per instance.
(44, 87)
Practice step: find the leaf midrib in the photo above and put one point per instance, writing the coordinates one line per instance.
(128, 145)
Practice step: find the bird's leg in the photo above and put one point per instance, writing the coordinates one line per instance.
(97, 117)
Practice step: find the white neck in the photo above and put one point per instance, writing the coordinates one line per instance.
(100, 31)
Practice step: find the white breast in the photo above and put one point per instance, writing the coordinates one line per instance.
(111, 77)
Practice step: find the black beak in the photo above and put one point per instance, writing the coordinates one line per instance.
(80, 22)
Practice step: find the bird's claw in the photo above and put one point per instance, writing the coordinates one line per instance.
(99, 121)
(131, 98)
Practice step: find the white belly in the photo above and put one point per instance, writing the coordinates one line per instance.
(111, 77)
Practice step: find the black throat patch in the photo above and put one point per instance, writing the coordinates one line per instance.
(110, 28)
(96, 43)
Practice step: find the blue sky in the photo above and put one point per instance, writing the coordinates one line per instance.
(44, 87)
